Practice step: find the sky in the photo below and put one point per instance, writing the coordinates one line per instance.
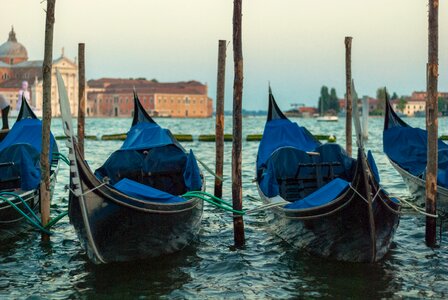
(296, 45)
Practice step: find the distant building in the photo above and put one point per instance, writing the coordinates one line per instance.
(113, 97)
(15, 68)
(416, 103)
(307, 111)
(373, 104)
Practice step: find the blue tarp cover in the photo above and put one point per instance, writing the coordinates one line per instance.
(407, 147)
(147, 135)
(145, 192)
(324, 195)
(152, 157)
(280, 133)
(23, 145)
(27, 131)
(192, 176)
(373, 166)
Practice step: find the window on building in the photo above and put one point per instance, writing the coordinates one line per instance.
(11, 61)
(127, 100)
(116, 99)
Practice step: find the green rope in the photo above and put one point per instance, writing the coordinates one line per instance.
(56, 219)
(23, 202)
(214, 201)
(62, 157)
(36, 223)
(31, 221)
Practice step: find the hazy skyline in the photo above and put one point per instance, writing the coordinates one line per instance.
(296, 45)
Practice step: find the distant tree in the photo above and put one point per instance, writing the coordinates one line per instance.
(334, 101)
(401, 104)
(140, 78)
(381, 96)
(154, 80)
(394, 96)
(324, 100)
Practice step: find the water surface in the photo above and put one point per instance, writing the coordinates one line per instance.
(210, 268)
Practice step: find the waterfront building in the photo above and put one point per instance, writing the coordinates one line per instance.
(16, 68)
(113, 97)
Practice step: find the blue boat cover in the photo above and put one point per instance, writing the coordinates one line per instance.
(192, 176)
(325, 194)
(281, 133)
(407, 147)
(145, 192)
(147, 135)
(285, 163)
(283, 155)
(23, 145)
(373, 166)
(151, 156)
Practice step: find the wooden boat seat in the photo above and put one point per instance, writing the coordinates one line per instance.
(305, 183)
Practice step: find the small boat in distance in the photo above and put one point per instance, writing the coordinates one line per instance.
(327, 119)
(132, 208)
(406, 149)
(20, 172)
(322, 200)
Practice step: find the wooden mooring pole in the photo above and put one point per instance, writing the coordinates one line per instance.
(348, 95)
(45, 194)
(237, 193)
(81, 95)
(220, 116)
(431, 120)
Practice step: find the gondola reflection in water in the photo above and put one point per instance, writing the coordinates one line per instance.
(323, 206)
(131, 208)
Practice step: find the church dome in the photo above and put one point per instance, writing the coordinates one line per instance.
(12, 51)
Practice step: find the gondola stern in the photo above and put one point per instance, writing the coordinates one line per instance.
(274, 112)
(140, 114)
(391, 119)
(25, 111)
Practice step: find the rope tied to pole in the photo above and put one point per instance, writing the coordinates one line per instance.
(29, 214)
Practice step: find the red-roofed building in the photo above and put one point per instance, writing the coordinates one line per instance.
(113, 97)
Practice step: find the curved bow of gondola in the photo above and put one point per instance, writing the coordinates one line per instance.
(25, 111)
(274, 112)
(140, 114)
(391, 119)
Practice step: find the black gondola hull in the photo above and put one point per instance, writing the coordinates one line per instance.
(125, 229)
(342, 235)
(357, 226)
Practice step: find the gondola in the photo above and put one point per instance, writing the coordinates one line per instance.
(320, 199)
(131, 208)
(406, 149)
(20, 172)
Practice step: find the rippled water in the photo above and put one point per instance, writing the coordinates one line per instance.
(210, 268)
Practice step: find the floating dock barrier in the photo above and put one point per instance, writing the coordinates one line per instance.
(201, 138)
